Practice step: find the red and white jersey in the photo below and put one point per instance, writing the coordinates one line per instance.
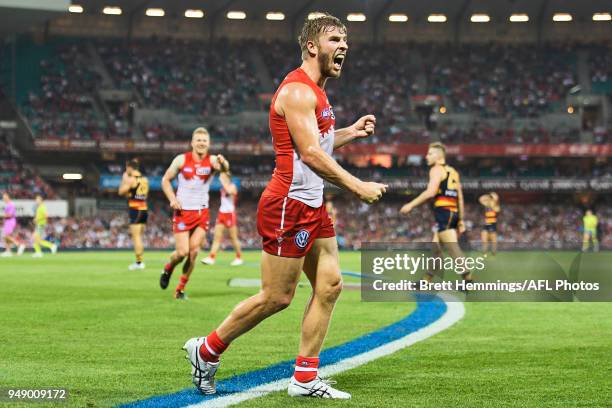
(228, 201)
(194, 180)
(292, 178)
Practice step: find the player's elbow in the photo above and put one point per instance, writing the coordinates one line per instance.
(311, 156)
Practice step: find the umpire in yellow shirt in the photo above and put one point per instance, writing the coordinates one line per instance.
(590, 231)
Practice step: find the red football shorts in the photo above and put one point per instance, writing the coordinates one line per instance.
(289, 227)
(227, 219)
(188, 220)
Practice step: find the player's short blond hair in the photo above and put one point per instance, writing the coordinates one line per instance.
(439, 146)
(200, 130)
(312, 28)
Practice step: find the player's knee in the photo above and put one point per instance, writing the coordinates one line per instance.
(330, 291)
(182, 252)
(277, 302)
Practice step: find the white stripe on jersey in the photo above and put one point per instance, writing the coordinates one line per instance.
(282, 223)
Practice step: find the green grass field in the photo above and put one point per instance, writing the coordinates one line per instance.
(82, 321)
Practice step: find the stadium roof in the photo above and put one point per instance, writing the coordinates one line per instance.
(373, 9)
(20, 15)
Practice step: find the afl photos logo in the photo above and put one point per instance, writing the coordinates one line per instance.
(301, 239)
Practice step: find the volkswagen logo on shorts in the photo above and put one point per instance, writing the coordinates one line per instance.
(301, 239)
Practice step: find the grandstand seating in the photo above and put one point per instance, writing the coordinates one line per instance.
(19, 180)
(63, 103)
(502, 80)
(600, 68)
(188, 77)
(505, 82)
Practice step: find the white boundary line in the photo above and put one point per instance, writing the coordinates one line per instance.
(454, 312)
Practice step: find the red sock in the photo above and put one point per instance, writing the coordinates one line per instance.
(306, 368)
(212, 347)
(212, 255)
(168, 268)
(182, 282)
(238, 254)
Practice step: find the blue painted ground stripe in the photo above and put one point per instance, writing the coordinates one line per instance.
(429, 309)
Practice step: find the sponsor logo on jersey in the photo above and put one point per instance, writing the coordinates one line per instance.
(301, 239)
(188, 170)
(328, 113)
(203, 171)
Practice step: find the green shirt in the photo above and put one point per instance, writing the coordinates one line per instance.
(41, 215)
(590, 222)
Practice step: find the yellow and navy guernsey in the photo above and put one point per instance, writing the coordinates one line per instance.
(490, 219)
(445, 204)
(137, 199)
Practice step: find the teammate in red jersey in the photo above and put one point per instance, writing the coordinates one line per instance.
(296, 230)
(190, 204)
(226, 220)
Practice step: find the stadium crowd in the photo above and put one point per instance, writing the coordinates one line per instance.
(498, 168)
(187, 77)
(63, 105)
(538, 226)
(498, 81)
(600, 68)
(19, 180)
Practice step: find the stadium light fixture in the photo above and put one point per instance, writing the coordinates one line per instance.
(155, 12)
(398, 18)
(75, 8)
(480, 18)
(602, 17)
(437, 18)
(315, 14)
(519, 18)
(72, 176)
(236, 15)
(113, 11)
(356, 17)
(562, 17)
(275, 16)
(194, 13)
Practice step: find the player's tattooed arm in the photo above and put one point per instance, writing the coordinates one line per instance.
(436, 175)
(166, 182)
(296, 103)
(364, 127)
